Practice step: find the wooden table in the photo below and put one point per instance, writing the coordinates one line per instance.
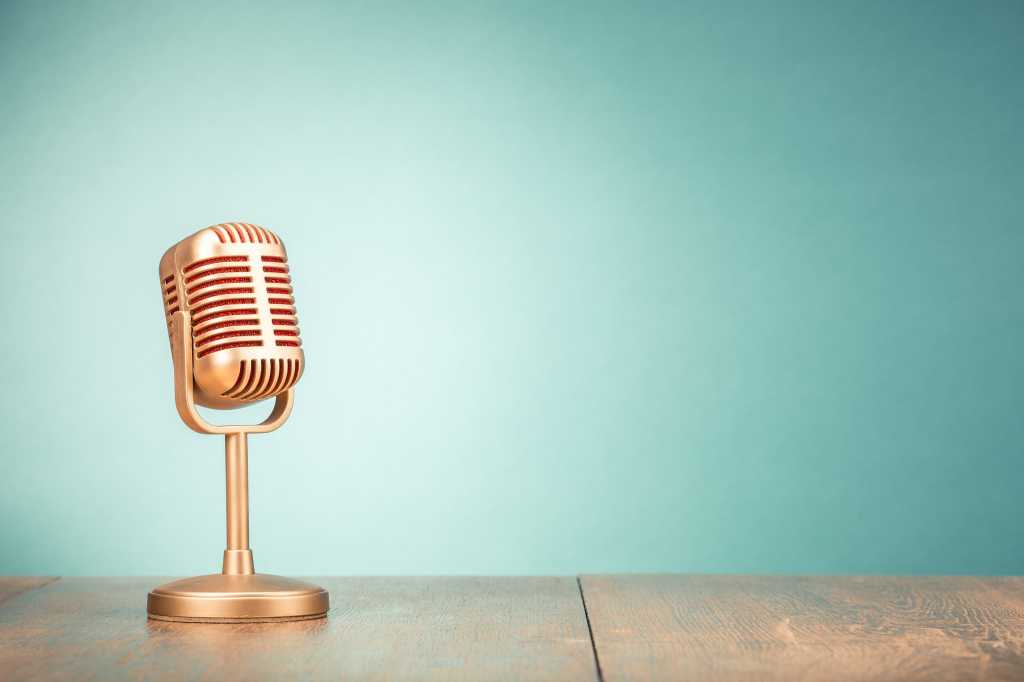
(628, 627)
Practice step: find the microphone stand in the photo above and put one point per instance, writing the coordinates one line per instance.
(237, 556)
(238, 594)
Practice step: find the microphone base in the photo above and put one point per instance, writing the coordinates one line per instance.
(219, 598)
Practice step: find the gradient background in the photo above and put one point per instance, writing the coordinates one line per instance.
(583, 288)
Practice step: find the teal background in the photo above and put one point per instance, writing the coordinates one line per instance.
(583, 287)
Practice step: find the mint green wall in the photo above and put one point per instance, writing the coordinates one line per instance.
(717, 287)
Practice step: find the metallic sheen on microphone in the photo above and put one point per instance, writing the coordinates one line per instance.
(233, 281)
(234, 334)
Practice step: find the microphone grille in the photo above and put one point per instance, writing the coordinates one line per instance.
(234, 281)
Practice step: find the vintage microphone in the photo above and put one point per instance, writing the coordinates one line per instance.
(234, 341)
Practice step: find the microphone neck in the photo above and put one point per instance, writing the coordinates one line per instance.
(237, 556)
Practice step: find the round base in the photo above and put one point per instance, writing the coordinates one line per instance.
(219, 598)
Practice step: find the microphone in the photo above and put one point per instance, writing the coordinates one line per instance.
(233, 281)
(234, 336)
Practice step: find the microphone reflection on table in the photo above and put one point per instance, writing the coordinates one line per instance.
(235, 340)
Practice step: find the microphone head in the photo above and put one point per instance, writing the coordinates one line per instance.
(233, 281)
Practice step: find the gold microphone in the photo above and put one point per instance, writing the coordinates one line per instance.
(234, 341)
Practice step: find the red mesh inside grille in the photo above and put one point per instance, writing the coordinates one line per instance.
(219, 292)
(218, 282)
(228, 335)
(217, 271)
(229, 301)
(226, 346)
(218, 259)
(222, 301)
(240, 322)
(222, 313)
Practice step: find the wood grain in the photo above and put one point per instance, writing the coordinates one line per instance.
(667, 627)
(12, 586)
(677, 627)
(378, 629)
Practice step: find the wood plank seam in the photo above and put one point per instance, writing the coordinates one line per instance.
(744, 628)
(590, 631)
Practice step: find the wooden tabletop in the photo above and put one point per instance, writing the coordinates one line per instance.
(627, 627)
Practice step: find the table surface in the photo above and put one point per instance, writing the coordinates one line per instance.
(620, 627)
